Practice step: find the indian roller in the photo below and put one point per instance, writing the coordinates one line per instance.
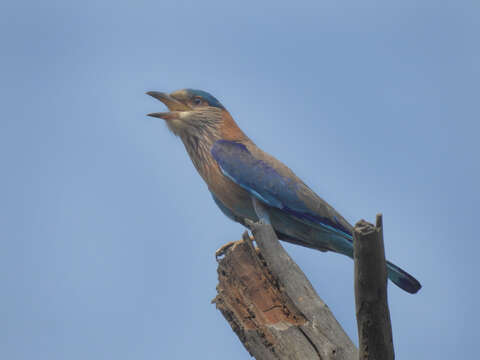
(247, 183)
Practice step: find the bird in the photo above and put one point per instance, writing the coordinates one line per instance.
(248, 184)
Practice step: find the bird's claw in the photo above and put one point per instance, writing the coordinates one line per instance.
(223, 249)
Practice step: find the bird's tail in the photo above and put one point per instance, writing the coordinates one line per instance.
(398, 276)
(402, 279)
(344, 246)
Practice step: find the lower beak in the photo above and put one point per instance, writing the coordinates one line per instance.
(173, 105)
(165, 115)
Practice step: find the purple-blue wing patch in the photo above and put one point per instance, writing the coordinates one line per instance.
(265, 183)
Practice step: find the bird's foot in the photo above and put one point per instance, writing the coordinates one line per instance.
(223, 249)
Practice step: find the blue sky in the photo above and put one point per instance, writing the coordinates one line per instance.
(107, 232)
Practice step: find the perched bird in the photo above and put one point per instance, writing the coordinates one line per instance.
(248, 183)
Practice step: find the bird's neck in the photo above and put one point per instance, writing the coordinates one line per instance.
(229, 129)
(199, 145)
(198, 148)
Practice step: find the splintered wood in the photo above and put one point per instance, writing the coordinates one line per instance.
(262, 314)
(249, 297)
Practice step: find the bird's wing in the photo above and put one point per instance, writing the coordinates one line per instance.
(274, 184)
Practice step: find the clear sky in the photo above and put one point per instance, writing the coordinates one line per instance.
(107, 234)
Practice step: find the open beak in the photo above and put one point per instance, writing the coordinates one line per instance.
(173, 105)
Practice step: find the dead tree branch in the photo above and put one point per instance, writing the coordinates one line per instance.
(373, 315)
(271, 305)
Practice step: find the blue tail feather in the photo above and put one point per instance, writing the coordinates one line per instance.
(398, 276)
(402, 279)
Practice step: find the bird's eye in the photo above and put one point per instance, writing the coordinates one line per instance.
(197, 101)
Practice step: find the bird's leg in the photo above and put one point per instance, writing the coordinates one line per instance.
(261, 211)
(247, 236)
(264, 218)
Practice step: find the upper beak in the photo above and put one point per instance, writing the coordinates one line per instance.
(172, 104)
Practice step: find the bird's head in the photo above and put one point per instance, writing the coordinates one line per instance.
(192, 112)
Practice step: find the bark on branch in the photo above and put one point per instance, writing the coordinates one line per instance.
(271, 305)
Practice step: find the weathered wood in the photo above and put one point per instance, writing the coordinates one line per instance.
(373, 316)
(271, 305)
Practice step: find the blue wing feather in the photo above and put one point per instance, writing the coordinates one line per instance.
(264, 182)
